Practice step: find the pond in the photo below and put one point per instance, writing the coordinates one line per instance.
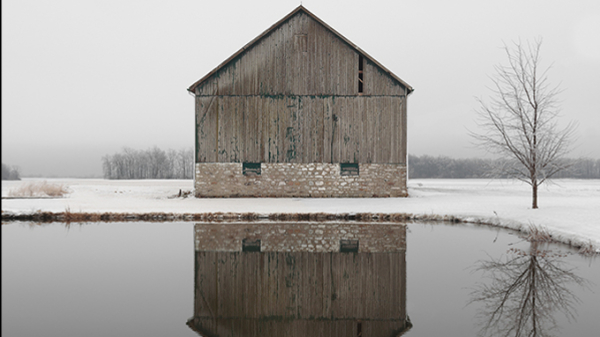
(289, 279)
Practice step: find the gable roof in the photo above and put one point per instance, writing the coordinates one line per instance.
(300, 8)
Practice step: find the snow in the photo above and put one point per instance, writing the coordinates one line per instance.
(568, 209)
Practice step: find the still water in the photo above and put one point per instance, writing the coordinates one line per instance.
(289, 279)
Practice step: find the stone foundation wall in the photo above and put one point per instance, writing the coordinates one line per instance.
(301, 237)
(299, 180)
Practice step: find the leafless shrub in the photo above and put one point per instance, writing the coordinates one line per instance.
(587, 250)
(537, 234)
(39, 189)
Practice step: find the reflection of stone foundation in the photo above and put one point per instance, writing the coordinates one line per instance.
(291, 289)
(301, 236)
(299, 180)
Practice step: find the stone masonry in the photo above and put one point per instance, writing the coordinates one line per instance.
(301, 237)
(319, 180)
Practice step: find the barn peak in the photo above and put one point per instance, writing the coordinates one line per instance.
(297, 11)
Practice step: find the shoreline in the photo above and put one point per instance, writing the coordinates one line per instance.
(232, 218)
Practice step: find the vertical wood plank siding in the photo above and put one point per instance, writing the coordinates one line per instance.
(302, 129)
(329, 292)
(293, 98)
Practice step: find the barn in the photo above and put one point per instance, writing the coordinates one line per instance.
(283, 280)
(300, 111)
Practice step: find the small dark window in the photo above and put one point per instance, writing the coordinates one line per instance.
(360, 74)
(251, 245)
(349, 169)
(251, 169)
(348, 246)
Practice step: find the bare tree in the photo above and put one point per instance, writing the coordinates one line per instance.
(10, 172)
(524, 292)
(153, 163)
(520, 120)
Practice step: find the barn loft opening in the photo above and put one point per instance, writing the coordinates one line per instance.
(360, 74)
(251, 169)
(349, 169)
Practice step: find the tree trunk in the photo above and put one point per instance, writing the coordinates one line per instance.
(535, 195)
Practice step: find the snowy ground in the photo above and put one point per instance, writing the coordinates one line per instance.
(569, 209)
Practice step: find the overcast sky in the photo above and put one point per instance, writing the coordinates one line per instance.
(85, 78)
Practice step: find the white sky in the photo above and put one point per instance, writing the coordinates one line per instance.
(84, 78)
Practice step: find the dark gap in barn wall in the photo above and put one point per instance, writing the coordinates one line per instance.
(360, 74)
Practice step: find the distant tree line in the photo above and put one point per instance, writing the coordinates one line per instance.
(582, 168)
(10, 172)
(152, 163)
(155, 163)
(450, 168)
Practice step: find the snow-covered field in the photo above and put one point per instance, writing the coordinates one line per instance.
(569, 209)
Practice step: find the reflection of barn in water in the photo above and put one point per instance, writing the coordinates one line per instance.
(300, 279)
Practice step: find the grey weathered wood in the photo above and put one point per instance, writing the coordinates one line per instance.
(301, 285)
(302, 129)
(275, 101)
(276, 293)
(206, 126)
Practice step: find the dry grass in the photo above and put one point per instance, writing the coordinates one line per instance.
(537, 234)
(39, 189)
(588, 250)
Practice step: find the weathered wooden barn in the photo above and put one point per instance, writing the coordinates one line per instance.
(300, 279)
(300, 111)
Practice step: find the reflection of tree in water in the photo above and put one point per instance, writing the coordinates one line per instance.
(524, 293)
